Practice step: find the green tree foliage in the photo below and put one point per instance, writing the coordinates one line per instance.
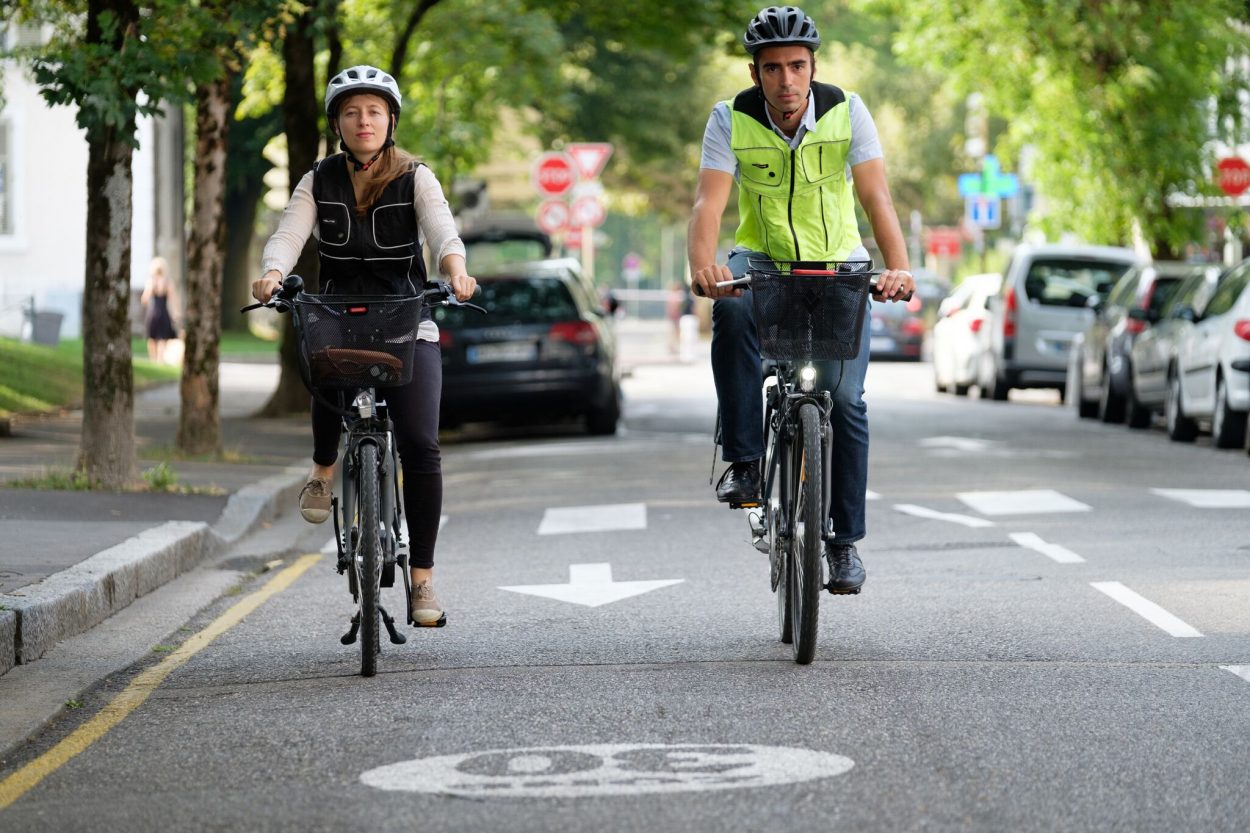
(1116, 97)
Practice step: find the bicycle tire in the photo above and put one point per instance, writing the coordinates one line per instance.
(369, 560)
(806, 541)
(772, 509)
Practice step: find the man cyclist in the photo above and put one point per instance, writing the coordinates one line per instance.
(800, 152)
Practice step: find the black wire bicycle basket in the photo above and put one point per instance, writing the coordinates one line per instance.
(356, 342)
(800, 317)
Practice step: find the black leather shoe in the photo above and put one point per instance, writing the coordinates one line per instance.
(740, 483)
(846, 571)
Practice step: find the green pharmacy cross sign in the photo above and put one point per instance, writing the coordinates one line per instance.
(983, 193)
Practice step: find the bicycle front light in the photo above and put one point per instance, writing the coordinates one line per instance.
(363, 404)
(807, 378)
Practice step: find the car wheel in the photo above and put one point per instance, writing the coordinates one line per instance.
(1181, 428)
(961, 390)
(1138, 414)
(1110, 403)
(602, 420)
(1228, 427)
(1075, 394)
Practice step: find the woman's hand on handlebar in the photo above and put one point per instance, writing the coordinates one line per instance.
(465, 286)
(894, 285)
(704, 283)
(264, 287)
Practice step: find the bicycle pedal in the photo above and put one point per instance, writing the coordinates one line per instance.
(750, 504)
(854, 592)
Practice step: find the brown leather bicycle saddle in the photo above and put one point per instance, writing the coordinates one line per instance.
(363, 366)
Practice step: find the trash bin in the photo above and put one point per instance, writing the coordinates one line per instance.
(45, 328)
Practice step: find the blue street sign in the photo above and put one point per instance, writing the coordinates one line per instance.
(984, 211)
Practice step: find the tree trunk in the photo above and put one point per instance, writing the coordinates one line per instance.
(241, 207)
(199, 425)
(299, 105)
(107, 453)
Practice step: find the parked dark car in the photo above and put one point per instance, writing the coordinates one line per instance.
(1101, 385)
(545, 349)
(896, 330)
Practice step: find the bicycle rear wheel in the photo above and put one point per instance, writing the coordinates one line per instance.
(803, 569)
(369, 559)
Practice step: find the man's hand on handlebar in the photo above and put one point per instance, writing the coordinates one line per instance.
(894, 285)
(705, 280)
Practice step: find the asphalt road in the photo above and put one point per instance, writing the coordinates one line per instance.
(1075, 658)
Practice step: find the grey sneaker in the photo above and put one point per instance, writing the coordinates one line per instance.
(314, 500)
(426, 610)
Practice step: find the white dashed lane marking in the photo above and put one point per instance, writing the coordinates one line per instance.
(1030, 541)
(1208, 498)
(1146, 609)
(1242, 671)
(1029, 502)
(605, 518)
(933, 514)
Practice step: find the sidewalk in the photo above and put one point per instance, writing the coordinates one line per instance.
(69, 560)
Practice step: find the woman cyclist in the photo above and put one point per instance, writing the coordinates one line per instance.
(371, 207)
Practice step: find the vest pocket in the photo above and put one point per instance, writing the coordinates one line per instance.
(821, 161)
(762, 166)
(394, 225)
(334, 223)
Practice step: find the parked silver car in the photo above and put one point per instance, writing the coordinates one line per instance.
(1210, 379)
(956, 338)
(1041, 306)
(1153, 352)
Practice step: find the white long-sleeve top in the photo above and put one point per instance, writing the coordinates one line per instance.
(435, 227)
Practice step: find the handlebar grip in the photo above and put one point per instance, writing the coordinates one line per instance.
(291, 286)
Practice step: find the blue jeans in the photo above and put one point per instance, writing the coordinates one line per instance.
(739, 374)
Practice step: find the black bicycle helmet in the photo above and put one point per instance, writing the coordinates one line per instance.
(780, 26)
(361, 79)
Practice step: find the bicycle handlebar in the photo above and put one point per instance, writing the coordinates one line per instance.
(745, 280)
(440, 294)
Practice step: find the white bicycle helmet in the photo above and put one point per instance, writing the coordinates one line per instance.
(780, 26)
(362, 79)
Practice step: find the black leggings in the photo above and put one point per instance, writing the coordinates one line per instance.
(414, 413)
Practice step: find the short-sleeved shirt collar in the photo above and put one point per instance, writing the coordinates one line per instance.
(808, 122)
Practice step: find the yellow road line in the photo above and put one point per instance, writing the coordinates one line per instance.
(142, 686)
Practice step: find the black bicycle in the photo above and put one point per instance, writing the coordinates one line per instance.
(349, 347)
(804, 312)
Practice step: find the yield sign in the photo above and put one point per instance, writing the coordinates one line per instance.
(589, 157)
(591, 585)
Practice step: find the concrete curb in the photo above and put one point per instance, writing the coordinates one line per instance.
(72, 601)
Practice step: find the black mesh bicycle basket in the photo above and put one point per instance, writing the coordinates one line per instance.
(356, 342)
(801, 317)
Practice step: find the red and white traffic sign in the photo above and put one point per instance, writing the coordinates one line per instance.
(587, 212)
(1233, 175)
(553, 174)
(573, 238)
(552, 216)
(589, 157)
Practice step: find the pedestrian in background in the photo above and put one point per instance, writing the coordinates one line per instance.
(159, 298)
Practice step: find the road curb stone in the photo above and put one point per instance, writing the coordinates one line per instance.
(76, 599)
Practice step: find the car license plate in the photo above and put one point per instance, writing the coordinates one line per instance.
(881, 344)
(504, 351)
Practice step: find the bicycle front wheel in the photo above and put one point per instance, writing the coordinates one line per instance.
(369, 559)
(803, 570)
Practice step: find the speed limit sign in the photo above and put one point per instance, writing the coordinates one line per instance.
(552, 216)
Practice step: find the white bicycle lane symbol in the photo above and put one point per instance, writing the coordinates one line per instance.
(606, 769)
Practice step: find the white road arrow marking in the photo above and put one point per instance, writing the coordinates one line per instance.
(592, 585)
(605, 518)
(1027, 502)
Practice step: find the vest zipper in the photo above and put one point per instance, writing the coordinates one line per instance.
(820, 194)
(790, 209)
(759, 201)
(820, 152)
